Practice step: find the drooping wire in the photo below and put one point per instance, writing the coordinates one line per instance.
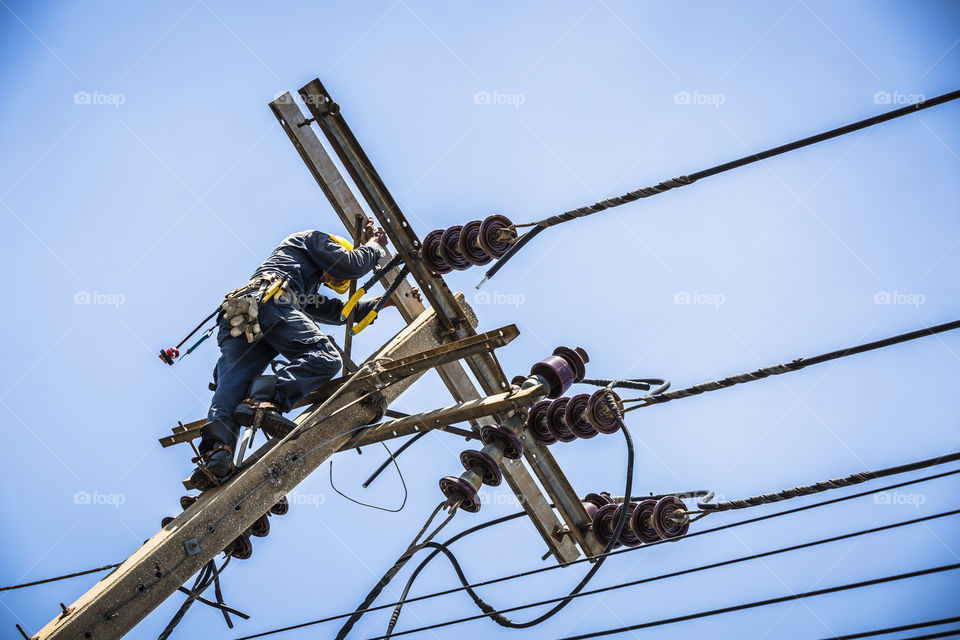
(373, 506)
(392, 458)
(539, 570)
(673, 574)
(680, 181)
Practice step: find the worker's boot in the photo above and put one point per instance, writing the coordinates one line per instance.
(213, 467)
(262, 410)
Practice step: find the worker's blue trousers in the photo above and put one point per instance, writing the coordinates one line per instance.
(313, 360)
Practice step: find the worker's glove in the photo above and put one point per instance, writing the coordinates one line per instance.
(241, 312)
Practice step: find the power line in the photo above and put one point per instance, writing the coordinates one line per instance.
(823, 485)
(490, 612)
(680, 181)
(539, 570)
(763, 603)
(64, 577)
(795, 365)
(942, 634)
(906, 627)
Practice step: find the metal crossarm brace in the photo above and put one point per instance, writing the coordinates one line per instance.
(331, 182)
(485, 366)
(460, 412)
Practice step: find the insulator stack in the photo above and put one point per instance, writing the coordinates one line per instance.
(241, 547)
(566, 419)
(473, 244)
(553, 375)
(593, 501)
(647, 521)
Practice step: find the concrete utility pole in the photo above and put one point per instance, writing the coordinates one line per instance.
(155, 571)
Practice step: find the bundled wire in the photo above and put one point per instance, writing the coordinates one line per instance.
(659, 397)
(680, 181)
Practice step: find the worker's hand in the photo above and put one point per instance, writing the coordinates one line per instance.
(372, 232)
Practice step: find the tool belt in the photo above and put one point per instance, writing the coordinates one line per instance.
(241, 306)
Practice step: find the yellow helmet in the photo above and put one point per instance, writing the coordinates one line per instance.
(341, 286)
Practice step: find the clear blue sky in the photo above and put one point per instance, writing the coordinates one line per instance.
(175, 180)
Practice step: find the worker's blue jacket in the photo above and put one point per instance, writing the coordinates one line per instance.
(305, 256)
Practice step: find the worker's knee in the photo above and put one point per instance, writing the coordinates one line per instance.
(326, 358)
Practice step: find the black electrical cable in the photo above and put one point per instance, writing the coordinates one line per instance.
(953, 633)
(531, 572)
(666, 185)
(824, 485)
(795, 365)
(64, 577)
(611, 544)
(763, 603)
(412, 548)
(490, 611)
(906, 627)
(391, 458)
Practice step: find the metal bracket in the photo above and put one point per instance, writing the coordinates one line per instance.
(192, 546)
